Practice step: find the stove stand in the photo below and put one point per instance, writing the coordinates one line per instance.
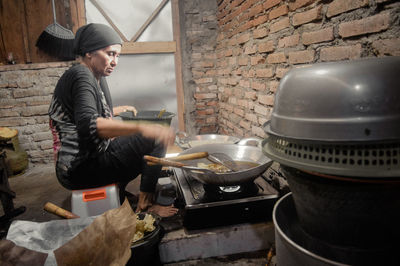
(210, 206)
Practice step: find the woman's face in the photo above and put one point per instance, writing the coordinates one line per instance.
(102, 62)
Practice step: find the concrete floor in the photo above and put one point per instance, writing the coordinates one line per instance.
(39, 185)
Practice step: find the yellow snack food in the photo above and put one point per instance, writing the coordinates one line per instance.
(143, 226)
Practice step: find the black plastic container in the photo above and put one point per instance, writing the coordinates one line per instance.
(148, 116)
(146, 252)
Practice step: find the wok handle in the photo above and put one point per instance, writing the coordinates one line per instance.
(52, 208)
(162, 161)
(190, 156)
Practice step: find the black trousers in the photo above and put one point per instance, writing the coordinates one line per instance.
(120, 163)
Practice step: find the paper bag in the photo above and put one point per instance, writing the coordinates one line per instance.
(106, 241)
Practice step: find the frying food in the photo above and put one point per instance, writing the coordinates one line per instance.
(217, 168)
(143, 226)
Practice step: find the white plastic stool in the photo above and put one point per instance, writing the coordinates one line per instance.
(94, 201)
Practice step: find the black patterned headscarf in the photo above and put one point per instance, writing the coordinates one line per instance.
(94, 36)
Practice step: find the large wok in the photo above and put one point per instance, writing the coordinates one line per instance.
(238, 152)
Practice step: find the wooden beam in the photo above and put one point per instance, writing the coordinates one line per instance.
(178, 64)
(78, 17)
(149, 20)
(109, 20)
(25, 32)
(148, 47)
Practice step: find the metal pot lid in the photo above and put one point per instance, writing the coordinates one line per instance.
(340, 101)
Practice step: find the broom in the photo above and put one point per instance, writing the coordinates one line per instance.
(56, 40)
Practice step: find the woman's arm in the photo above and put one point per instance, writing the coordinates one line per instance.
(108, 128)
(124, 108)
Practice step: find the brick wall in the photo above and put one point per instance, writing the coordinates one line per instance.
(198, 41)
(25, 94)
(259, 41)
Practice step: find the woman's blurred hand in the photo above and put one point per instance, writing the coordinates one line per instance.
(124, 108)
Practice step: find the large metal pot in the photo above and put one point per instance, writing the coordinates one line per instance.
(296, 247)
(184, 141)
(238, 152)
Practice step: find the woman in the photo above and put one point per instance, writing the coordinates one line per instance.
(94, 150)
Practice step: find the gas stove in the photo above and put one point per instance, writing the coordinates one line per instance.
(210, 206)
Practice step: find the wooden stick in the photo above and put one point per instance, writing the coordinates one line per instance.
(190, 156)
(162, 161)
(52, 208)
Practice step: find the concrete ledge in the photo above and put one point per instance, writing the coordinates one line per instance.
(180, 245)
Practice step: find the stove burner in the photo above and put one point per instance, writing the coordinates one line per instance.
(210, 205)
(213, 192)
(230, 189)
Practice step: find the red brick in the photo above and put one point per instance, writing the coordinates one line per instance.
(279, 25)
(307, 16)
(259, 20)
(243, 38)
(289, 41)
(239, 112)
(197, 74)
(375, 23)
(266, 47)
(203, 64)
(259, 131)
(246, 5)
(245, 124)
(251, 117)
(208, 111)
(243, 103)
(207, 129)
(211, 73)
(243, 61)
(245, 26)
(276, 58)
(232, 61)
(238, 92)
(228, 52)
(318, 36)
(236, 3)
(341, 6)
(258, 85)
(243, 17)
(279, 11)
(387, 47)
(255, 10)
(238, 131)
(252, 95)
(255, 60)
(261, 109)
(223, 4)
(273, 86)
(232, 81)
(264, 72)
(203, 80)
(222, 63)
(301, 57)
(266, 99)
(281, 71)
(270, 3)
(260, 33)
(250, 49)
(244, 83)
(211, 120)
(300, 3)
(340, 53)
